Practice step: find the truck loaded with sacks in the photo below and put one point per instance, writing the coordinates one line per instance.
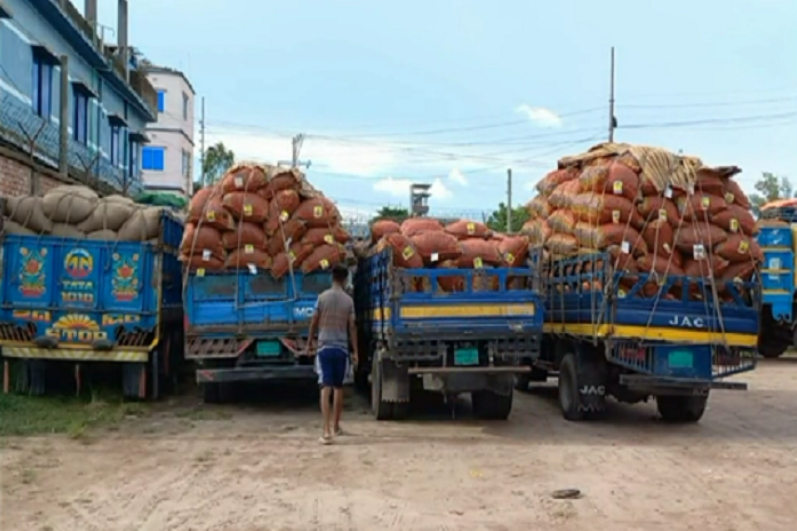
(651, 269)
(258, 250)
(88, 280)
(452, 309)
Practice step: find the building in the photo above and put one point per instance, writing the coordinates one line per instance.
(82, 106)
(167, 161)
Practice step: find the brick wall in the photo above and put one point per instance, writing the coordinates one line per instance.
(15, 178)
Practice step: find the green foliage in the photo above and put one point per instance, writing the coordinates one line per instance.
(218, 159)
(771, 188)
(391, 212)
(497, 220)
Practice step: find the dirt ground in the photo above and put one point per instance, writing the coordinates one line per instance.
(260, 467)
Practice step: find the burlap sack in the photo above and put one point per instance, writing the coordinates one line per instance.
(103, 235)
(478, 253)
(143, 225)
(248, 256)
(413, 226)
(12, 227)
(404, 253)
(245, 233)
(514, 250)
(71, 204)
(464, 229)
(437, 246)
(326, 236)
(383, 227)
(64, 230)
(110, 214)
(27, 212)
(324, 258)
(199, 261)
(197, 241)
(602, 236)
(289, 232)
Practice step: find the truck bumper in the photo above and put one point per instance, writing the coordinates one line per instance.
(257, 374)
(657, 385)
(68, 354)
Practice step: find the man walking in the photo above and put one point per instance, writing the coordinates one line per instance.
(334, 320)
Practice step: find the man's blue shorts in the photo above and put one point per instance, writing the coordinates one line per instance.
(332, 365)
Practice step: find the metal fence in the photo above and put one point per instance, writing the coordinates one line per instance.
(39, 139)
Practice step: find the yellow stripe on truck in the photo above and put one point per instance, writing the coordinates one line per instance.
(460, 310)
(76, 354)
(653, 333)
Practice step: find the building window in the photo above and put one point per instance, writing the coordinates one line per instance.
(186, 163)
(153, 158)
(42, 96)
(80, 115)
(116, 145)
(185, 106)
(133, 170)
(161, 101)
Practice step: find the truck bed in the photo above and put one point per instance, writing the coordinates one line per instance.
(62, 298)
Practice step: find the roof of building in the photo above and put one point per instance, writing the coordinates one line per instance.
(150, 68)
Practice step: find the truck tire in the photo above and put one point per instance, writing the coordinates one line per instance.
(211, 394)
(488, 405)
(772, 350)
(681, 409)
(382, 410)
(572, 379)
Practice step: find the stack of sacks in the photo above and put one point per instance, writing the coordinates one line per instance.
(73, 211)
(651, 210)
(425, 242)
(263, 218)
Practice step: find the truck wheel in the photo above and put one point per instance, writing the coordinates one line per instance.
(572, 379)
(772, 350)
(382, 410)
(681, 409)
(211, 393)
(488, 405)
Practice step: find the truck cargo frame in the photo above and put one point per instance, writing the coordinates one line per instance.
(605, 342)
(66, 301)
(414, 336)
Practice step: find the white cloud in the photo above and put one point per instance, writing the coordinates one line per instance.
(401, 188)
(540, 116)
(456, 176)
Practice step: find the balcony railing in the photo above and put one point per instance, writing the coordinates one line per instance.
(22, 127)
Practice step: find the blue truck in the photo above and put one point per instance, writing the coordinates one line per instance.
(777, 235)
(79, 302)
(243, 327)
(606, 340)
(413, 336)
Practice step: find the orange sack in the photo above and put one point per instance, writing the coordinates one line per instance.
(478, 253)
(206, 207)
(549, 183)
(514, 250)
(693, 234)
(283, 179)
(245, 233)
(414, 226)
(562, 196)
(197, 241)
(736, 219)
(244, 178)
(436, 246)
(537, 230)
(404, 253)
(661, 265)
(317, 212)
(383, 227)
(463, 229)
(700, 206)
(246, 206)
(658, 207)
(734, 194)
(659, 237)
(243, 258)
(740, 248)
(199, 261)
(291, 231)
(326, 236)
(602, 236)
(600, 209)
(615, 179)
(562, 244)
(538, 207)
(709, 181)
(281, 208)
(323, 258)
(562, 221)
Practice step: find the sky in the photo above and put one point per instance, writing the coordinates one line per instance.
(453, 93)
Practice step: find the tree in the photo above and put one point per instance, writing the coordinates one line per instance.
(771, 188)
(390, 212)
(218, 159)
(497, 220)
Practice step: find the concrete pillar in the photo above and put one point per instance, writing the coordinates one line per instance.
(123, 43)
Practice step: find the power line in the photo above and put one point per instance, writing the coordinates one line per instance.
(692, 123)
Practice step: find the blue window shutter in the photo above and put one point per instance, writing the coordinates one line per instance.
(159, 159)
(161, 101)
(146, 158)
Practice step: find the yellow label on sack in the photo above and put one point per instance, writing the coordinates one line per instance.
(247, 209)
(407, 253)
(329, 239)
(249, 248)
(617, 186)
(200, 272)
(510, 258)
(291, 256)
(663, 214)
(734, 225)
(705, 202)
(477, 263)
(318, 211)
(211, 215)
(615, 216)
(729, 197)
(471, 228)
(324, 263)
(743, 246)
(284, 216)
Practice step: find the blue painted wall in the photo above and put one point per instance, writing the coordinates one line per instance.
(18, 35)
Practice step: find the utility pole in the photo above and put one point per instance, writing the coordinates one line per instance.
(612, 120)
(509, 200)
(202, 144)
(296, 148)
